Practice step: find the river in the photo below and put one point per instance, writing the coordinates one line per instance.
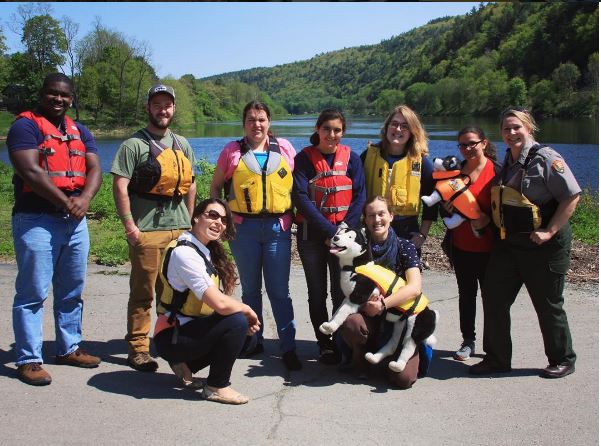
(576, 140)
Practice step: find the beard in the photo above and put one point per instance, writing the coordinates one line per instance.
(157, 123)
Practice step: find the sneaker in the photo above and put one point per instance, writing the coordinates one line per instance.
(466, 350)
(291, 361)
(328, 356)
(79, 358)
(33, 374)
(142, 362)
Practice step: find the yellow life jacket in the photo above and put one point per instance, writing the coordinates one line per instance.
(182, 302)
(257, 190)
(399, 184)
(388, 282)
(167, 172)
(512, 211)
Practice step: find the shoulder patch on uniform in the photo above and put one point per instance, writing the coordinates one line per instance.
(558, 166)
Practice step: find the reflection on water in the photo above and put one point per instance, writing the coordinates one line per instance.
(577, 141)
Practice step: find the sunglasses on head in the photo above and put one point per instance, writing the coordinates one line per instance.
(214, 215)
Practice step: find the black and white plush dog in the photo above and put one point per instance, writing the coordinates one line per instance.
(353, 251)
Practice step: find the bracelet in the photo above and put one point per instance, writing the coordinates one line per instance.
(384, 309)
(126, 217)
(422, 234)
(131, 232)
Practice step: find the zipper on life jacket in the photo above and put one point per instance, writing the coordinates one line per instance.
(264, 183)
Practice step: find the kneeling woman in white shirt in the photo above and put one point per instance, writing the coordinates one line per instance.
(206, 327)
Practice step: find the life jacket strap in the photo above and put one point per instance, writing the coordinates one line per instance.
(66, 173)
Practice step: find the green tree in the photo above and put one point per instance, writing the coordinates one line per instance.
(45, 42)
(565, 77)
(517, 91)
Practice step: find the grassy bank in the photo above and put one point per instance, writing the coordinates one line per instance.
(108, 245)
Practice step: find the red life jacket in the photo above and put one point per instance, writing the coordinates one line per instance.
(330, 190)
(62, 156)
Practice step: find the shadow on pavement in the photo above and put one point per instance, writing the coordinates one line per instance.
(141, 385)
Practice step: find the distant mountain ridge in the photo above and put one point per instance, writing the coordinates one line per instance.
(542, 55)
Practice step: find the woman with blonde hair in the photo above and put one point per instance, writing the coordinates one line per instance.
(398, 169)
(533, 247)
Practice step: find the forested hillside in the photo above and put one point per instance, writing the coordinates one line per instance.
(541, 55)
(544, 55)
(111, 71)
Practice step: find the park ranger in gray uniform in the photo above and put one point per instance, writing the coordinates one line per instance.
(533, 247)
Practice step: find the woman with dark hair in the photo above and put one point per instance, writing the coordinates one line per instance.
(329, 188)
(199, 324)
(256, 173)
(470, 243)
(533, 198)
(398, 169)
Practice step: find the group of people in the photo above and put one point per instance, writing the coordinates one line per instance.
(261, 187)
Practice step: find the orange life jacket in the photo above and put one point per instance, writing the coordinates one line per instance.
(330, 190)
(63, 157)
(453, 186)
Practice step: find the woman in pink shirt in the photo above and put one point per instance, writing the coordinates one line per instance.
(255, 173)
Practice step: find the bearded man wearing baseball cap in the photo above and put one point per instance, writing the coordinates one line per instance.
(154, 192)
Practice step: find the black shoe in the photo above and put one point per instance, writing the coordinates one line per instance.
(558, 371)
(256, 351)
(328, 356)
(487, 368)
(291, 361)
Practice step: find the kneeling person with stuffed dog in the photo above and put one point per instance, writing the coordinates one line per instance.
(362, 331)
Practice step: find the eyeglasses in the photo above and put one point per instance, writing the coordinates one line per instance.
(399, 125)
(470, 144)
(214, 215)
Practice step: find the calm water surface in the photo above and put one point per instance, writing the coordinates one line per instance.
(577, 141)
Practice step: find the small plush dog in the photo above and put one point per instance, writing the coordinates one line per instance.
(452, 186)
(359, 279)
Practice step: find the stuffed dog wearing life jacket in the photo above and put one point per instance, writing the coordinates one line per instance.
(452, 185)
(360, 277)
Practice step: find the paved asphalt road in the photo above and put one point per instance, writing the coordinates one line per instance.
(114, 404)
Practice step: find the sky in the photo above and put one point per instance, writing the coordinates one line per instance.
(205, 39)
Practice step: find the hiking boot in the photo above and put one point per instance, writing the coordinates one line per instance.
(142, 362)
(79, 358)
(466, 350)
(33, 374)
(291, 361)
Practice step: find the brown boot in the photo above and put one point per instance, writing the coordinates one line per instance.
(142, 362)
(33, 374)
(79, 358)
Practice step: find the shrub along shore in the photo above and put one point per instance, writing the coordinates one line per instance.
(109, 247)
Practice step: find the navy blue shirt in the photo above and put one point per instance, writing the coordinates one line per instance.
(319, 226)
(24, 134)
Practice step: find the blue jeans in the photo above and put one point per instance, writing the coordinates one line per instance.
(261, 246)
(317, 260)
(50, 248)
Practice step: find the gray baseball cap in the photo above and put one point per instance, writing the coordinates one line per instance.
(160, 88)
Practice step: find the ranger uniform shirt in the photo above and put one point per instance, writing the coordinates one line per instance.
(547, 176)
